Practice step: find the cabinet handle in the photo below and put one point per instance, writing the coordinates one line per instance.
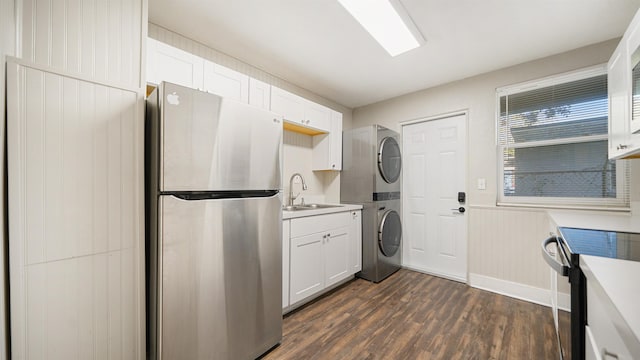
(622, 147)
(606, 354)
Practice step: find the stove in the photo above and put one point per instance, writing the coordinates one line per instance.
(572, 243)
(611, 244)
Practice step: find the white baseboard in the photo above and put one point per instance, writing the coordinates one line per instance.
(519, 291)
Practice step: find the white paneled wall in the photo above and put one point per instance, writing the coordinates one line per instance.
(505, 245)
(75, 228)
(98, 39)
(7, 47)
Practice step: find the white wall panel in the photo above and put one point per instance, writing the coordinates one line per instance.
(75, 175)
(7, 47)
(98, 39)
(505, 244)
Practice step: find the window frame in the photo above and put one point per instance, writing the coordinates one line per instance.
(620, 202)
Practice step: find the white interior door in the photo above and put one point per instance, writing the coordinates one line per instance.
(435, 237)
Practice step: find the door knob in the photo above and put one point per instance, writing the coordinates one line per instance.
(461, 209)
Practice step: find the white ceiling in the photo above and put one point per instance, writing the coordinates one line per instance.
(317, 45)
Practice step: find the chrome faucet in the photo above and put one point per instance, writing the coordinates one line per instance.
(304, 187)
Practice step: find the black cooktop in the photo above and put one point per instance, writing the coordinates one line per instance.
(611, 244)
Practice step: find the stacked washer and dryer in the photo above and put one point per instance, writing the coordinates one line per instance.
(370, 176)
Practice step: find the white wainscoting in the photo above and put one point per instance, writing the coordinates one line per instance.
(97, 39)
(75, 167)
(505, 252)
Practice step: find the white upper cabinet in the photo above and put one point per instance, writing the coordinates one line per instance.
(327, 148)
(225, 82)
(289, 105)
(317, 116)
(633, 49)
(624, 131)
(167, 63)
(259, 94)
(618, 85)
(307, 117)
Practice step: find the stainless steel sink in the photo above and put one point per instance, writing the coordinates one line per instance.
(294, 208)
(307, 207)
(320, 206)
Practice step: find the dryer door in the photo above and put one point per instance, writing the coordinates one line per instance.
(389, 160)
(389, 233)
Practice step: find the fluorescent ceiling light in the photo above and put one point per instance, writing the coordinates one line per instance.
(384, 22)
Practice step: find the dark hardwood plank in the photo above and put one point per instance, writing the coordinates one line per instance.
(411, 315)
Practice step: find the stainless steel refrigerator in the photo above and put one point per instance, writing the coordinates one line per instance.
(214, 226)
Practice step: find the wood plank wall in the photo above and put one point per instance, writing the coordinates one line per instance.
(76, 232)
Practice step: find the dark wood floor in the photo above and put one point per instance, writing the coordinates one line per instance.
(416, 316)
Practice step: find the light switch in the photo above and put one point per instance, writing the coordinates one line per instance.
(482, 183)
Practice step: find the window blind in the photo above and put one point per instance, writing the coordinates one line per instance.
(553, 144)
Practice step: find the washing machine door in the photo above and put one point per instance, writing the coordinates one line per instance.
(389, 160)
(389, 233)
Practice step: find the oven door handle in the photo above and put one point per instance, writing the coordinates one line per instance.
(559, 267)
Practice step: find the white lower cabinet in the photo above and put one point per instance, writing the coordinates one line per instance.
(603, 341)
(336, 255)
(307, 276)
(355, 246)
(322, 253)
(285, 263)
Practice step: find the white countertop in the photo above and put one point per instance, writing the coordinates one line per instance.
(597, 221)
(617, 283)
(304, 213)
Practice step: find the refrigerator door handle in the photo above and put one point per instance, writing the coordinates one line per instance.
(213, 195)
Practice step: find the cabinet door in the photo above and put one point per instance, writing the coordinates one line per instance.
(306, 270)
(355, 241)
(285, 263)
(618, 88)
(223, 81)
(289, 105)
(604, 336)
(336, 141)
(327, 148)
(336, 256)
(259, 94)
(167, 63)
(317, 116)
(632, 36)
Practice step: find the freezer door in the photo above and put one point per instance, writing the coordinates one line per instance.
(220, 291)
(214, 143)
